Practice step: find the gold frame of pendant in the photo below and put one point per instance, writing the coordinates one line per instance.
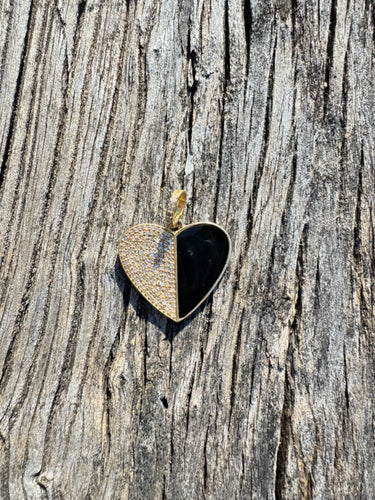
(173, 226)
(175, 234)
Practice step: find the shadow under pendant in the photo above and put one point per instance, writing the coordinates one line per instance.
(175, 267)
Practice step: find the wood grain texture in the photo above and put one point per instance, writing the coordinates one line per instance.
(264, 111)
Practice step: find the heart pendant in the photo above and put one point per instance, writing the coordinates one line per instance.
(175, 267)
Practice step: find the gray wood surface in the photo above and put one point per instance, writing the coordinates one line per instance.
(264, 111)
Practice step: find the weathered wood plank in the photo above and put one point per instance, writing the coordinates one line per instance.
(264, 113)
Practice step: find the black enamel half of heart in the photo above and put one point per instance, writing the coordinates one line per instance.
(202, 255)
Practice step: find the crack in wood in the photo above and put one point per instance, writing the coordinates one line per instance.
(286, 438)
(191, 89)
(248, 20)
(17, 93)
(329, 54)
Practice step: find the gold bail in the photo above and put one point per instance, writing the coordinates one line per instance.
(176, 208)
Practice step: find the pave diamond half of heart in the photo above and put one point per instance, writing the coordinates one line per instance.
(147, 254)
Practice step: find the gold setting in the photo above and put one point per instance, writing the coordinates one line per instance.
(148, 254)
(176, 208)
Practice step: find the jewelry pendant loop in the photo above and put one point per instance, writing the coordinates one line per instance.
(176, 208)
